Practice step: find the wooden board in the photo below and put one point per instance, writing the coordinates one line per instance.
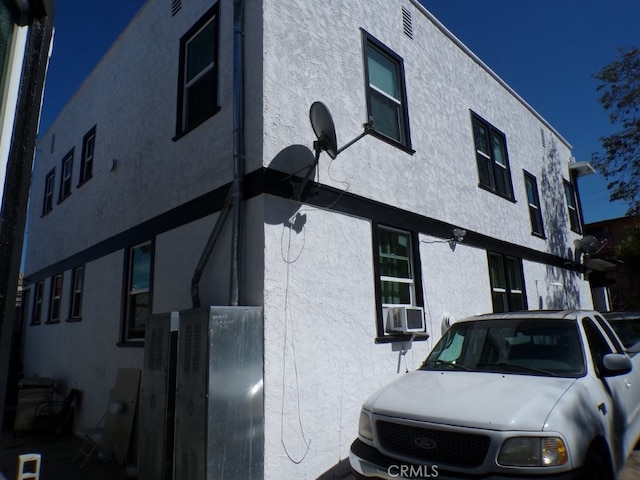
(119, 426)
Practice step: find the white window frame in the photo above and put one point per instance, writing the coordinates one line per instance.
(390, 279)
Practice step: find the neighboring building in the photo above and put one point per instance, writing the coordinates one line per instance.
(462, 200)
(614, 288)
(26, 30)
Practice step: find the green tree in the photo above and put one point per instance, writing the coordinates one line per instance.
(619, 84)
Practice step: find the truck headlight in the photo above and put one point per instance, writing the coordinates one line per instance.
(365, 428)
(533, 452)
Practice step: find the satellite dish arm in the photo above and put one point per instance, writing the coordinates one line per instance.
(298, 189)
(368, 128)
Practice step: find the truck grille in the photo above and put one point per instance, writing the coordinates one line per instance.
(435, 446)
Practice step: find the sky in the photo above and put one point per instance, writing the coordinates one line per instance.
(546, 50)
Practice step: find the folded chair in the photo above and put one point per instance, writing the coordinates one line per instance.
(56, 417)
(93, 435)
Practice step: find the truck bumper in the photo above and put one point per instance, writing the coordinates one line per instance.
(369, 462)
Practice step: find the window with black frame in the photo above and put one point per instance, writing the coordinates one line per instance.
(492, 158)
(386, 93)
(36, 312)
(77, 289)
(572, 206)
(67, 172)
(138, 292)
(88, 149)
(533, 198)
(507, 283)
(198, 82)
(55, 299)
(47, 204)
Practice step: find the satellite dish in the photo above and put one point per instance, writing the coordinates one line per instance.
(324, 128)
(588, 244)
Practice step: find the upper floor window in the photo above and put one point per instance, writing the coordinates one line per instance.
(77, 285)
(49, 180)
(67, 172)
(198, 81)
(507, 284)
(491, 156)
(55, 299)
(572, 206)
(386, 93)
(535, 214)
(36, 313)
(86, 162)
(138, 291)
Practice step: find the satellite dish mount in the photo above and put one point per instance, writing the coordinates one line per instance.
(325, 130)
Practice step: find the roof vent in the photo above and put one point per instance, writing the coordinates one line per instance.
(176, 5)
(407, 23)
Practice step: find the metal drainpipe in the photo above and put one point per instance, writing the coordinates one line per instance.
(234, 198)
(238, 148)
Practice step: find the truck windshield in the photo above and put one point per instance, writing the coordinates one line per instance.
(513, 346)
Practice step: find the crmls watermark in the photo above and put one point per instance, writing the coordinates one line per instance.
(413, 471)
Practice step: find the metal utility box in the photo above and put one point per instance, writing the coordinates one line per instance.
(157, 397)
(218, 430)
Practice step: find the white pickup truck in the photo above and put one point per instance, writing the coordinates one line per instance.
(531, 395)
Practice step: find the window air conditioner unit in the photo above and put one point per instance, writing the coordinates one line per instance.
(404, 319)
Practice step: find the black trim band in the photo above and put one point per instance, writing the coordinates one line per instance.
(280, 184)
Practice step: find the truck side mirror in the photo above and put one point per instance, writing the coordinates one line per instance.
(614, 364)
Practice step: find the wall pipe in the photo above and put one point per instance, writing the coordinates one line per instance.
(233, 201)
(237, 189)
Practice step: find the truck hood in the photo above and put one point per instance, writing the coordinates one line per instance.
(492, 401)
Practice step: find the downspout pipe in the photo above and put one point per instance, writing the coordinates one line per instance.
(237, 189)
(233, 201)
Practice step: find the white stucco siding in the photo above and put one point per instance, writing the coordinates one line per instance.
(444, 85)
(321, 361)
(455, 282)
(555, 288)
(131, 98)
(84, 355)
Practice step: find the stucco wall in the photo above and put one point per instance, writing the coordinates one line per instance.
(314, 53)
(131, 98)
(320, 357)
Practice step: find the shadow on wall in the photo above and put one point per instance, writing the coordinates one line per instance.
(293, 160)
(556, 227)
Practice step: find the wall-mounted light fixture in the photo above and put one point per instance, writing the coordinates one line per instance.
(458, 236)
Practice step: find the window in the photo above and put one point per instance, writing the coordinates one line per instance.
(67, 171)
(386, 94)
(572, 206)
(535, 214)
(492, 158)
(138, 291)
(597, 344)
(55, 299)
(198, 96)
(48, 192)
(36, 314)
(507, 284)
(86, 162)
(77, 282)
(396, 270)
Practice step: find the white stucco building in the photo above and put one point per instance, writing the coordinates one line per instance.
(132, 178)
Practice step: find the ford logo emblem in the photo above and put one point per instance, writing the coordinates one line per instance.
(425, 443)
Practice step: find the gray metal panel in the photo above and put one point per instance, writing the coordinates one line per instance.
(235, 437)
(154, 398)
(191, 402)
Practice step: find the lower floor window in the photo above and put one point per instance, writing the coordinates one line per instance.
(396, 272)
(507, 284)
(138, 290)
